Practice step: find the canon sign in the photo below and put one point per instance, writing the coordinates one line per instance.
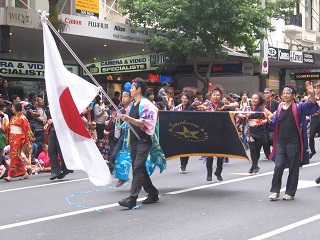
(73, 21)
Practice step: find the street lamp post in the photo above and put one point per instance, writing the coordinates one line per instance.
(264, 57)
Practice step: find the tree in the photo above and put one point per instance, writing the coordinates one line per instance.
(54, 19)
(187, 28)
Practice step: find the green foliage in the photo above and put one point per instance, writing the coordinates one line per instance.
(199, 28)
(58, 23)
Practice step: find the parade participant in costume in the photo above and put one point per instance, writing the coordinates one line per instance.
(290, 143)
(185, 105)
(100, 115)
(142, 116)
(126, 100)
(57, 171)
(256, 136)
(19, 135)
(315, 122)
(272, 105)
(216, 105)
(244, 105)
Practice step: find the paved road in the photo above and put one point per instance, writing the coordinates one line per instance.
(189, 206)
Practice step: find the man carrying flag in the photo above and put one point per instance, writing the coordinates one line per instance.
(68, 96)
(142, 115)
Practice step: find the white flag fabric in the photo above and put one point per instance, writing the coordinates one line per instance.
(68, 96)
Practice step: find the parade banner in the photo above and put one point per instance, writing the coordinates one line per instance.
(189, 133)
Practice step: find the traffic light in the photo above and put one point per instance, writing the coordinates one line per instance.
(4, 39)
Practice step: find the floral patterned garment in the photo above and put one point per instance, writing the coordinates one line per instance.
(17, 141)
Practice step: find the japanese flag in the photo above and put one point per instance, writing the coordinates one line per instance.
(68, 96)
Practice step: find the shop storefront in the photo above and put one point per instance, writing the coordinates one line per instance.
(113, 74)
(25, 77)
(291, 62)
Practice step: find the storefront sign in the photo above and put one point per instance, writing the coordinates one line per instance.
(22, 17)
(273, 53)
(307, 76)
(296, 56)
(20, 69)
(216, 68)
(247, 69)
(78, 25)
(292, 56)
(308, 58)
(144, 62)
(83, 26)
(222, 68)
(88, 7)
(284, 54)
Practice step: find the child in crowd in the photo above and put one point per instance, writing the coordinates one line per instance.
(25, 156)
(93, 131)
(5, 163)
(43, 161)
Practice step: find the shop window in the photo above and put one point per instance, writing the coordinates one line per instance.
(21, 4)
(308, 14)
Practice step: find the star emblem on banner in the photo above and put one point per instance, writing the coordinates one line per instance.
(188, 134)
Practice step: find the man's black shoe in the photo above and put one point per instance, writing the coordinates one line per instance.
(317, 180)
(54, 176)
(251, 169)
(62, 174)
(218, 175)
(127, 202)
(152, 198)
(311, 154)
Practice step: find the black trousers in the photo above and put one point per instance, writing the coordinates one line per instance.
(266, 148)
(100, 128)
(209, 165)
(314, 128)
(184, 161)
(53, 151)
(116, 149)
(286, 153)
(255, 148)
(139, 151)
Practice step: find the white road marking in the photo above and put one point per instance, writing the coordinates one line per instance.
(219, 183)
(43, 185)
(304, 184)
(232, 181)
(287, 228)
(37, 220)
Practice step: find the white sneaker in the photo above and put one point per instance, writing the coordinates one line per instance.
(287, 197)
(274, 196)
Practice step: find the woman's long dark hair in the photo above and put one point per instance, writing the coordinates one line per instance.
(262, 100)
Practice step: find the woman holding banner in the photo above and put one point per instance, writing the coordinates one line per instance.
(216, 105)
(185, 105)
(256, 136)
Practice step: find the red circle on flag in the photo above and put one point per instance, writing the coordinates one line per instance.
(71, 114)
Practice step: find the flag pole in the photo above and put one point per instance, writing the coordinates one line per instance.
(44, 16)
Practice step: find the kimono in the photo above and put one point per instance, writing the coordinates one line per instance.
(19, 134)
(148, 113)
(299, 112)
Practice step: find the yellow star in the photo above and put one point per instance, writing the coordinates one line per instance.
(188, 134)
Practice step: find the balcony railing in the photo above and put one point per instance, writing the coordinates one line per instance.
(295, 20)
